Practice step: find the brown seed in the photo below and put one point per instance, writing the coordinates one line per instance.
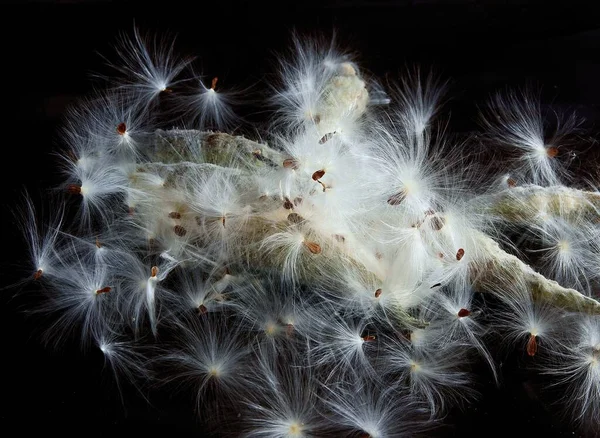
(339, 238)
(318, 175)
(121, 128)
(552, 152)
(295, 218)
(368, 338)
(289, 329)
(74, 189)
(313, 247)
(397, 198)
(104, 290)
(154, 271)
(202, 310)
(378, 293)
(98, 244)
(511, 182)
(257, 153)
(326, 137)
(179, 230)
(532, 345)
(291, 163)
(460, 253)
(287, 204)
(317, 119)
(463, 313)
(175, 215)
(437, 223)
(38, 274)
(213, 83)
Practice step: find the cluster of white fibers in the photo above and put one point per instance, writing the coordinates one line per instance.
(325, 283)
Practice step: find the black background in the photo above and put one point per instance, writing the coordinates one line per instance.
(49, 49)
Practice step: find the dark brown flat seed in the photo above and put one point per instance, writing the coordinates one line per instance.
(121, 128)
(291, 163)
(463, 313)
(437, 223)
(397, 198)
(339, 238)
(460, 253)
(287, 204)
(318, 174)
(326, 137)
(179, 230)
(313, 247)
(532, 345)
(289, 329)
(295, 218)
(38, 274)
(74, 189)
(378, 293)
